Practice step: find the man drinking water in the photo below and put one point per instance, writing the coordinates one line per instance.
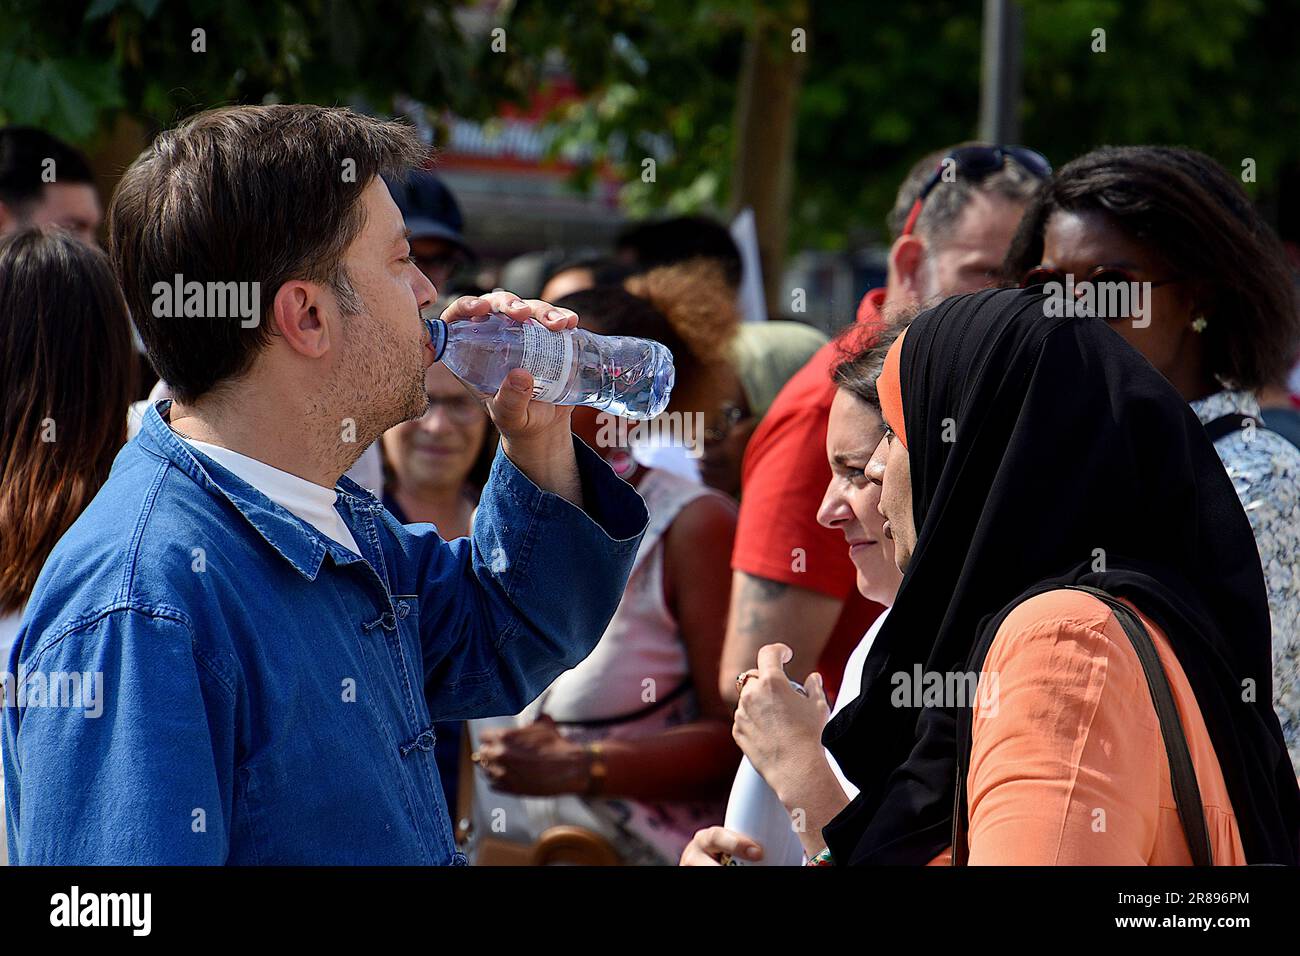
(275, 646)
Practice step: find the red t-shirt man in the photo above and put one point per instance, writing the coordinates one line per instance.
(783, 480)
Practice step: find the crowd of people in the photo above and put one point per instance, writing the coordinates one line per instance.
(1005, 572)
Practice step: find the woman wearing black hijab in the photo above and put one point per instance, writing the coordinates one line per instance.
(1041, 454)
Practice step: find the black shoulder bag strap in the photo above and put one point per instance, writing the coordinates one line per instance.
(1187, 794)
(1225, 425)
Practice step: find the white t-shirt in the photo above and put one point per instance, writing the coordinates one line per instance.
(367, 471)
(304, 499)
(850, 687)
(665, 456)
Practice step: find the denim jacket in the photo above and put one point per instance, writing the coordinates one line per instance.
(267, 696)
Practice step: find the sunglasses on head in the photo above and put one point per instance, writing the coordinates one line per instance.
(975, 163)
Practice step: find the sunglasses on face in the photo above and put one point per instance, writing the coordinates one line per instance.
(1103, 275)
(975, 163)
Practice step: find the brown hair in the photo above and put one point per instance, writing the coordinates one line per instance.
(700, 308)
(861, 358)
(263, 194)
(68, 370)
(1198, 221)
(24, 151)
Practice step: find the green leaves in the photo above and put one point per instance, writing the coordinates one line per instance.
(884, 82)
(140, 55)
(1210, 74)
(101, 8)
(65, 96)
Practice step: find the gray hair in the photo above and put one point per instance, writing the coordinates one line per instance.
(948, 200)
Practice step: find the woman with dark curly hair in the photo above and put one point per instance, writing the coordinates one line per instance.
(634, 743)
(1220, 322)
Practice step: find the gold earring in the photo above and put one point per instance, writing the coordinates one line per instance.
(1199, 323)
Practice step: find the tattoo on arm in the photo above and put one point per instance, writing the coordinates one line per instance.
(755, 595)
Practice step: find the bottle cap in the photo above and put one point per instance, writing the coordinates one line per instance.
(437, 337)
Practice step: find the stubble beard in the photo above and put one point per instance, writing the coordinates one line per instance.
(368, 392)
(391, 405)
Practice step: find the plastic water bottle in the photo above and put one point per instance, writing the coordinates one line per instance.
(628, 377)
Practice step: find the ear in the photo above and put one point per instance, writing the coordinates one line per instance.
(297, 318)
(7, 218)
(1180, 303)
(906, 260)
(1200, 300)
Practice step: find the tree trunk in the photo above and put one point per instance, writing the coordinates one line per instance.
(771, 77)
(112, 152)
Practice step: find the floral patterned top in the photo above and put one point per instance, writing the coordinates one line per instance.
(1265, 470)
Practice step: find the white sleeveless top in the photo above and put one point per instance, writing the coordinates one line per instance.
(639, 661)
(640, 657)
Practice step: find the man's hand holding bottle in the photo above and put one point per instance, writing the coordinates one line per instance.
(535, 435)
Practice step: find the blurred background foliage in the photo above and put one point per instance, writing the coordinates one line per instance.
(879, 85)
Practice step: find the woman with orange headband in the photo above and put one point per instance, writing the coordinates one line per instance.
(1077, 667)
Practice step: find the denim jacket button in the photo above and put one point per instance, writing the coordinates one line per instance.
(389, 622)
(423, 741)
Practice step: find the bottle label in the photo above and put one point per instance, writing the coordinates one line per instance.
(548, 356)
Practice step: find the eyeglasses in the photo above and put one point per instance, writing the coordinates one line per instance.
(1103, 275)
(732, 415)
(976, 163)
(1108, 292)
(461, 409)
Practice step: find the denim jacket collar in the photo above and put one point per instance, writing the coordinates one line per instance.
(296, 541)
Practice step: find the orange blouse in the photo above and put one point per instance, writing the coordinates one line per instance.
(1068, 767)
